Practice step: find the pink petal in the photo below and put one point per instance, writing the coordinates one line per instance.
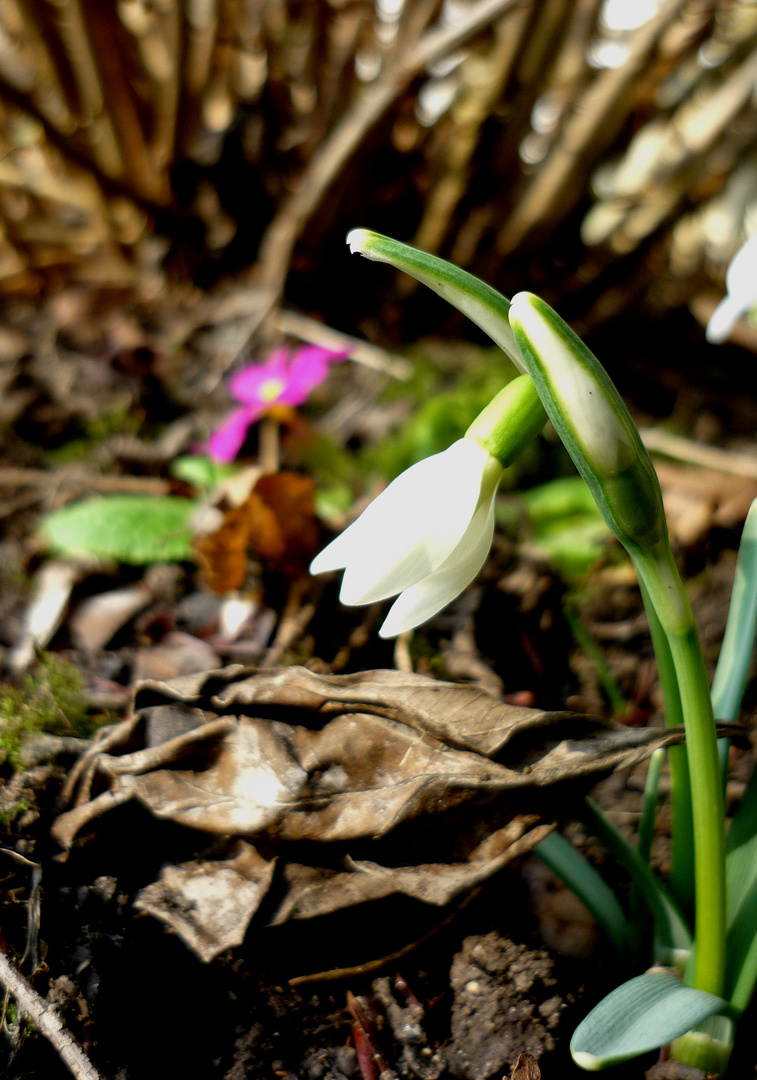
(245, 385)
(225, 444)
(308, 368)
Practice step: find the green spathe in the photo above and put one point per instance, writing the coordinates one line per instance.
(480, 302)
(593, 422)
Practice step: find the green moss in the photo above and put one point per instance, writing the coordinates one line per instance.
(50, 699)
(91, 435)
(9, 815)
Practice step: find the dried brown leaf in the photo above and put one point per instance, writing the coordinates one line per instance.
(277, 523)
(371, 761)
(526, 1068)
(209, 904)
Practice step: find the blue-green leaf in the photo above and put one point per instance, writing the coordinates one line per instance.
(642, 1014)
(136, 529)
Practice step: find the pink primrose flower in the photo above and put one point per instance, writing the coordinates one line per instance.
(286, 378)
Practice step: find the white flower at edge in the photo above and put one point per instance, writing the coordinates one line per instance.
(426, 536)
(741, 283)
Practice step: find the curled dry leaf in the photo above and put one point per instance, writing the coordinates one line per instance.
(357, 771)
(277, 523)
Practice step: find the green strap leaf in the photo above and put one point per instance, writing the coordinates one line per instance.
(670, 926)
(741, 885)
(642, 1014)
(589, 886)
(741, 843)
(482, 304)
(738, 641)
(645, 832)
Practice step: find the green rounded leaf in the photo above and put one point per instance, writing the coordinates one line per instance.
(202, 471)
(136, 529)
(642, 1014)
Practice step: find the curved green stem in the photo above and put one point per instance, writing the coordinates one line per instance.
(682, 828)
(665, 590)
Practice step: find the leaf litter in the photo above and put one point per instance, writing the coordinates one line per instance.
(229, 888)
(327, 791)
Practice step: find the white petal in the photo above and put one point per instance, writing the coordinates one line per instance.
(425, 598)
(724, 318)
(741, 276)
(410, 528)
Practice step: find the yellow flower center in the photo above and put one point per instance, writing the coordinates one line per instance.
(271, 389)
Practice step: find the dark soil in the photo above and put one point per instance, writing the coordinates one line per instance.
(465, 1003)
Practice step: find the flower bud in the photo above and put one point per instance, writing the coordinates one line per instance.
(592, 421)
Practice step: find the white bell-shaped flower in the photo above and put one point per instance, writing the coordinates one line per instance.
(741, 283)
(425, 536)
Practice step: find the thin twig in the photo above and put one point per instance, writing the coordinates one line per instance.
(48, 1022)
(694, 453)
(362, 352)
(144, 485)
(18, 858)
(293, 622)
(554, 189)
(383, 961)
(328, 161)
(402, 658)
(514, 850)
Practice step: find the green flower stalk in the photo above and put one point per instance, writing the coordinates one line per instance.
(593, 422)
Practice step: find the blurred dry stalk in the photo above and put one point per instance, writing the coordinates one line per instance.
(507, 119)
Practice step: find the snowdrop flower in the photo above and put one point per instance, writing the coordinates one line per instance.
(741, 283)
(427, 535)
(284, 379)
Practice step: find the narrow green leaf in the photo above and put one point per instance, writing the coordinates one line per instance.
(589, 886)
(480, 302)
(738, 641)
(741, 958)
(639, 1016)
(741, 886)
(741, 842)
(681, 880)
(136, 529)
(645, 832)
(670, 926)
